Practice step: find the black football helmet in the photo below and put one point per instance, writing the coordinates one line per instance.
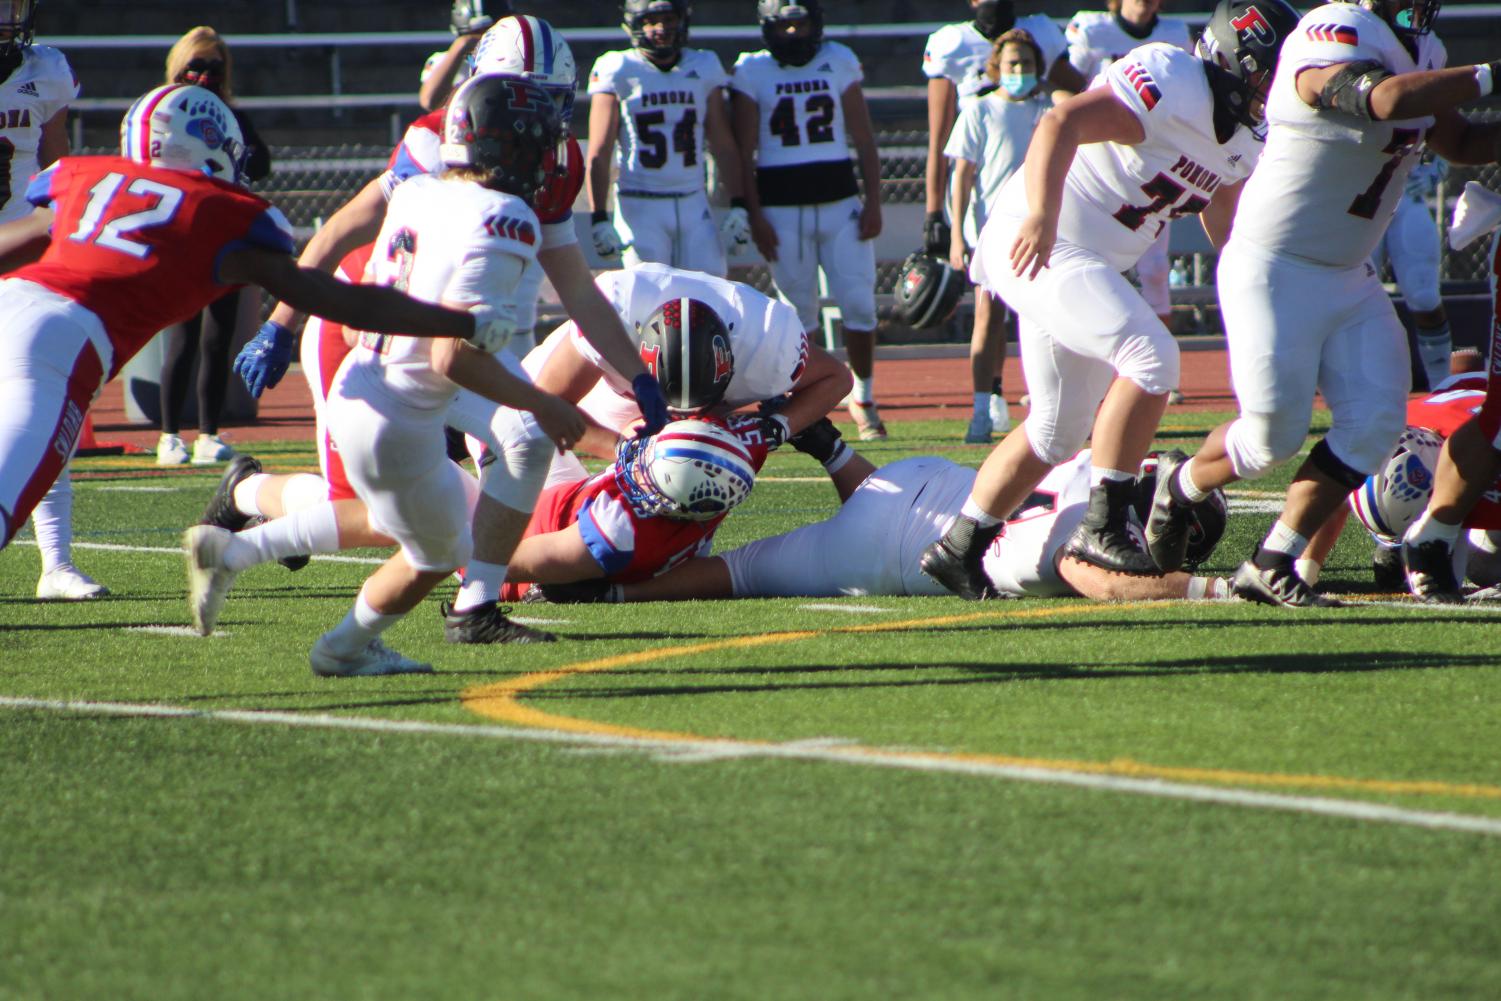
(1206, 521)
(776, 15)
(1244, 38)
(686, 345)
(505, 125)
(16, 19)
(928, 290)
(633, 18)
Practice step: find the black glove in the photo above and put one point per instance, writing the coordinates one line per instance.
(821, 440)
(774, 429)
(936, 235)
(580, 592)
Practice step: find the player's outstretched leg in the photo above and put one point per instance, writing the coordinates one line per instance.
(1103, 538)
(223, 512)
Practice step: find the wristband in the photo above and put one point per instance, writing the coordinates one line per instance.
(599, 215)
(1485, 78)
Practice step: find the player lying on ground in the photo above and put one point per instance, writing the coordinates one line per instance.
(658, 504)
(465, 237)
(890, 514)
(139, 242)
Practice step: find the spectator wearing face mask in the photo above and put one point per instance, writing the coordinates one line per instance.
(200, 57)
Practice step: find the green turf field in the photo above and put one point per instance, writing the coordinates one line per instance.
(866, 799)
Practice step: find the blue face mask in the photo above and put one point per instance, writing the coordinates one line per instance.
(1018, 84)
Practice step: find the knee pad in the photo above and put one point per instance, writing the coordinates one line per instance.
(1326, 462)
(1053, 443)
(524, 455)
(1256, 443)
(1149, 360)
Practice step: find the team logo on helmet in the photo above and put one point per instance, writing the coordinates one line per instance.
(1391, 499)
(724, 361)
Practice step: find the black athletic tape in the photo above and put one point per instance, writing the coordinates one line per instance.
(1349, 89)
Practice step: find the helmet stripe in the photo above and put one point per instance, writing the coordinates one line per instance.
(715, 459)
(138, 132)
(544, 32)
(1372, 506)
(685, 350)
(528, 47)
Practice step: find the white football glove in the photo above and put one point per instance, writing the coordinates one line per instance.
(494, 326)
(1477, 212)
(735, 230)
(606, 241)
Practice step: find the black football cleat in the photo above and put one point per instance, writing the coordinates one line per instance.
(294, 563)
(1276, 584)
(1103, 539)
(1387, 571)
(221, 511)
(1429, 573)
(488, 624)
(1168, 521)
(954, 560)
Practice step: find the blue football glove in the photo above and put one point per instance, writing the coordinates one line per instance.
(648, 393)
(264, 359)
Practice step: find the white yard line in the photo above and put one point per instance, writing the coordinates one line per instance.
(804, 750)
(848, 609)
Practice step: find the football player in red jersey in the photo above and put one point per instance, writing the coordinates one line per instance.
(139, 242)
(656, 506)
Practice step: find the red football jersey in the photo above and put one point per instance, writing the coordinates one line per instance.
(627, 546)
(139, 246)
(1444, 412)
(417, 153)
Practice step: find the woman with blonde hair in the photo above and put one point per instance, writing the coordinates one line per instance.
(200, 57)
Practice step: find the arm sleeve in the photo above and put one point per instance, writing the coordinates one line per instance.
(608, 533)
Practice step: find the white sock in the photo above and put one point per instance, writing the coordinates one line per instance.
(862, 393)
(1186, 484)
(307, 532)
(982, 404)
(481, 586)
(1434, 347)
(1098, 475)
(1308, 570)
(981, 516)
(360, 626)
(52, 520)
(245, 494)
(1429, 529)
(1282, 539)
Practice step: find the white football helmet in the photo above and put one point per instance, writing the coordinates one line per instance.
(695, 470)
(1391, 499)
(528, 46)
(182, 127)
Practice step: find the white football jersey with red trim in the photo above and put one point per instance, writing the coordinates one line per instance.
(1118, 198)
(444, 241)
(958, 52)
(1329, 182)
(768, 343)
(1096, 39)
(802, 111)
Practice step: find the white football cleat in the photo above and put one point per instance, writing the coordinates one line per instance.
(375, 660)
(209, 449)
(68, 583)
(208, 579)
(170, 451)
(1477, 212)
(1000, 414)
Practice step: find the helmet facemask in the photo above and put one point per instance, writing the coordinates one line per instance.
(793, 32)
(646, 21)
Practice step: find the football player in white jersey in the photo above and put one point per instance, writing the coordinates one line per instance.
(891, 514)
(987, 146)
(798, 108)
(1357, 92)
(36, 86)
(730, 347)
(662, 101)
(1095, 40)
(1411, 246)
(461, 238)
(1170, 134)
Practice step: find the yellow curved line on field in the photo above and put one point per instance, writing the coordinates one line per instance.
(503, 701)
